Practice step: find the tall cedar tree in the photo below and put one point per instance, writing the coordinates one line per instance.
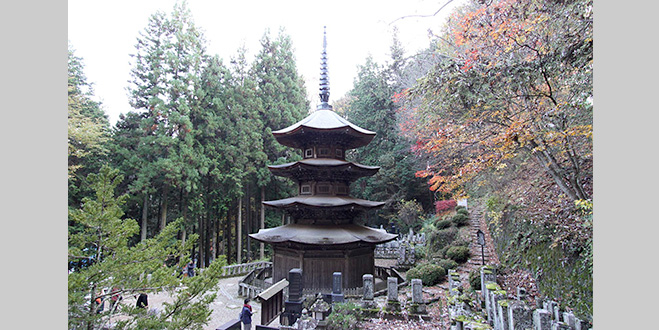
(165, 74)
(283, 102)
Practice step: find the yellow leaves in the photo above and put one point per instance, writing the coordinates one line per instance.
(585, 205)
(580, 130)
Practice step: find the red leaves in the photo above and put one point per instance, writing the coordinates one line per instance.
(445, 205)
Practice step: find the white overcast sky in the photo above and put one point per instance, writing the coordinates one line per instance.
(104, 33)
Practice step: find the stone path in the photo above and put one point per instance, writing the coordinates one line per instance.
(226, 306)
(476, 222)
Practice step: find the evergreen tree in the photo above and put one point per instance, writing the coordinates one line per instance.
(103, 263)
(283, 102)
(88, 129)
(168, 63)
(370, 105)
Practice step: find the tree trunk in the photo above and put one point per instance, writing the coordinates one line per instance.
(262, 226)
(227, 234)
(202, 240)
(248, 223)
(239, 230)
(145, 205)
(545, 160)
(163, 212)
(184, 213)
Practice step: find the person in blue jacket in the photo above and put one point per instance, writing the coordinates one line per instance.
(246, 316)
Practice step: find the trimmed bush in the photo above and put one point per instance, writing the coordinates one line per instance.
(459, 208)
(429, 274)
(475, 279)
(460, 220)
(458, 253)
(441, 238)
(447, 264)
(462, 211)
(443, 224)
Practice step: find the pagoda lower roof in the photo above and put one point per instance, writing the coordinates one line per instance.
(354, 170)
(323, 234)
(323, 121)
(323, 202)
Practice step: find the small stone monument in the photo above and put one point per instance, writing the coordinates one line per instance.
(320, 310)
(337, 287)
(392, 294)
(519, 316)
(418, 305)
(367, 299)
(541, 319)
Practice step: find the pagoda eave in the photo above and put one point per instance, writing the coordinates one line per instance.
(341, 169)
(334, 202)
(323, 235)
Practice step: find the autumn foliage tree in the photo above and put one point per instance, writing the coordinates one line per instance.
(517, 80)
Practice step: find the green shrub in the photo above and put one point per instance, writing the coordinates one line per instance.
(475, 279)
(462, 211)
(460, 208)
(458, 253)
(460, 220)
(459, 242)
(441, 238)
(447, 264)
(443, 224)
(429, 274)
(344, 316)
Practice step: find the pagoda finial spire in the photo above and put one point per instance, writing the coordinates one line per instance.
(324, 76)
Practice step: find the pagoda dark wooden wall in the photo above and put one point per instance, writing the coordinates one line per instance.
(319, 265)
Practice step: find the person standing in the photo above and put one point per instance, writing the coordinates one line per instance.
(190, 269)
(142, 301)
(246, 315)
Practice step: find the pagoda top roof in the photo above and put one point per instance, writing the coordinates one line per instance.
(323, 234)
(323, 121)
(323, 202)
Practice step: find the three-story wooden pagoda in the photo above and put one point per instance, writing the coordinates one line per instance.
(322, 237)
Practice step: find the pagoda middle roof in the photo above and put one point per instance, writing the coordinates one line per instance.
(323, 234)
(323, 202)
(326, 121)
(323, 163)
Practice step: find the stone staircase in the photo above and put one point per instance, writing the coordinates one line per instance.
(476, 222)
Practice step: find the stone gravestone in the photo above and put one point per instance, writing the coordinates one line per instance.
(392, 294)
(519, 316)
(417, 296)
(337, 287)
(367, 299)
(295, 284)
(293, 305)
(502, 315)
(541, 319)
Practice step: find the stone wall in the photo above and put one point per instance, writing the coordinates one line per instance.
(501, 311)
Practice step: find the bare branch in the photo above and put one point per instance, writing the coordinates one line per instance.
(409, 16)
